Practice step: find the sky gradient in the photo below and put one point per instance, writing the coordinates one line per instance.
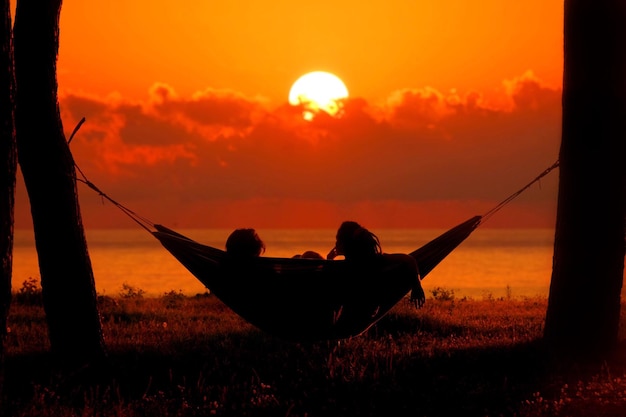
(453, 106)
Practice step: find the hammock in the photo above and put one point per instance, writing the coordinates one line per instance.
(307, 299)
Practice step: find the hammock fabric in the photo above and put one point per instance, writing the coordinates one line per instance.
(308, 299)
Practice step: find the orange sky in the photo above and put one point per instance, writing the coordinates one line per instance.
(453, 106)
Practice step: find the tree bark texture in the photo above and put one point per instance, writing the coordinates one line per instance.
(584, 301)
(47, 165)
(8, 167)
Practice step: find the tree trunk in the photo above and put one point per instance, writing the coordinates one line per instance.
(585, 291)
(8, 161)
(67, 279)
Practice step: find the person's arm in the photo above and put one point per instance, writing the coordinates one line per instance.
(332, 254)
(417, 297)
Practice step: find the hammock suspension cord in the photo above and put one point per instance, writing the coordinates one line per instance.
(504, 202)
(140, 220)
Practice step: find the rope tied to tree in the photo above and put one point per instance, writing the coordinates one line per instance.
(140, 220)
(507, 200)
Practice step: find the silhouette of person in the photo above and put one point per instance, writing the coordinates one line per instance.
(357, 244)
(244, 243)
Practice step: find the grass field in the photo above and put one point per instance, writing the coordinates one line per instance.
(191, 356)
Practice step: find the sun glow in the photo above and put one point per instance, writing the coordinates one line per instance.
(318, 91)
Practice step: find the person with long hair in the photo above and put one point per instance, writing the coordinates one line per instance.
(357, 244)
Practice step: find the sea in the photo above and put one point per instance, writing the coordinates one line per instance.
(490, 263)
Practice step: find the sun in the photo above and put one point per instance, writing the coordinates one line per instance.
(318, 91)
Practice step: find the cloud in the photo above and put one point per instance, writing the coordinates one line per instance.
(226, 109)
(528, 94)
(421, 145)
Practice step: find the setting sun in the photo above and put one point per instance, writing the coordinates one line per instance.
(318, 91)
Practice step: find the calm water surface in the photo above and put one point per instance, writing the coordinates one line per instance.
(491, 262)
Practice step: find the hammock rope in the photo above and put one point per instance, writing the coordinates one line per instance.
(137, 218)
(510, 198)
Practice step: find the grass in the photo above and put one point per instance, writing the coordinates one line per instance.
(191, 356)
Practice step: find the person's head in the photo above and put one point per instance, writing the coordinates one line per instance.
(355, 241)
(245, 242)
